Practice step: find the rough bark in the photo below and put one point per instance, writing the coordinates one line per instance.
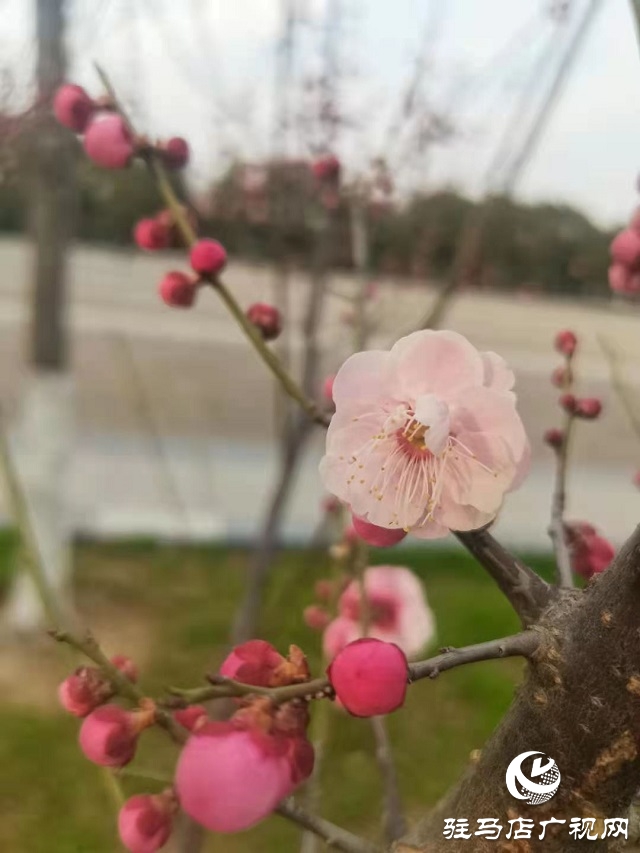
(580, 704)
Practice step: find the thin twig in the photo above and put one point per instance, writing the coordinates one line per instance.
(333, 836)
(89, 647)
(394, 823)
(527, 592)
(557, 530)
(524, 644)
(189, 236)
(227, 688)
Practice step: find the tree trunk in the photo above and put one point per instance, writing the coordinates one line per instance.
(45, 429)
(580, 705)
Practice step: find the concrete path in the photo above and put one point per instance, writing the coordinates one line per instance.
(175, 413)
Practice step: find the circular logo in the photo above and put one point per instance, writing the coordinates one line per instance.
(533, 779)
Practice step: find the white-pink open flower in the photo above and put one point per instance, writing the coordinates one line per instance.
(425, 437)
(397, 612)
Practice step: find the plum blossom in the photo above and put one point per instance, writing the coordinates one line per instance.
(397, 612)
(426, 438)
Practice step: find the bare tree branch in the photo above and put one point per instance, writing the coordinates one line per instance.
(333, 836)
(519, 645)
(557, 530)
(527, 592)
(394, 822)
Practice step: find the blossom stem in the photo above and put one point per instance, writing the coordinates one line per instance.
(333, 836)
(89, 647)
(523, 645)
(556, 529)
(189, 236)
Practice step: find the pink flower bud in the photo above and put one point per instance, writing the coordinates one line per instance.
(109, 735)
(566, 342)
(208, 257)
(152, 234)
(145, 821)
(568, 403)
(266, 318)
(327, 388)
(379, 537)
(590, 553)
(87, 687)
(229, 777)
(554, 437)
(253, 662)
(83, 691)
(636, 479)
(192, 717)
(73, 107)
(369, 677)
(625, 248)
(316, 617)
(108, 142)
(326, 168)
(178, 290)
(560, 377)
(174, 152)
(588, 408)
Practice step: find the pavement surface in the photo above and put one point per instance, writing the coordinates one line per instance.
(175, 413)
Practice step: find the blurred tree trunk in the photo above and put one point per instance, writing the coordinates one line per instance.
(43, 440)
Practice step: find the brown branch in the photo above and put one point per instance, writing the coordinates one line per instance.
(527, 592)
(225, 688)
(333, 836)
(524, 644)
(394, 822)
(189, 236)
(557, 530)
(89, 647)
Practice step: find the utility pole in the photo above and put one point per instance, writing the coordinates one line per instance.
(43, 435)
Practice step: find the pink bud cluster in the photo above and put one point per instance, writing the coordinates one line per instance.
(586, 408)
(108, 140)
(590, 553)
(87, 688)
(231, 775)
(624, 272)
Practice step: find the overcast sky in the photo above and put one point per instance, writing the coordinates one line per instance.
(214, 82)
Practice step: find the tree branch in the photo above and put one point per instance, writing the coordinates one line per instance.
(333, 836)
(394, 822)
(527, 592)
(556, 528)
(89, 647)
(524, 644)
(189, 236)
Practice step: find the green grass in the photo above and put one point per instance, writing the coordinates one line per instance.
(178, 603)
